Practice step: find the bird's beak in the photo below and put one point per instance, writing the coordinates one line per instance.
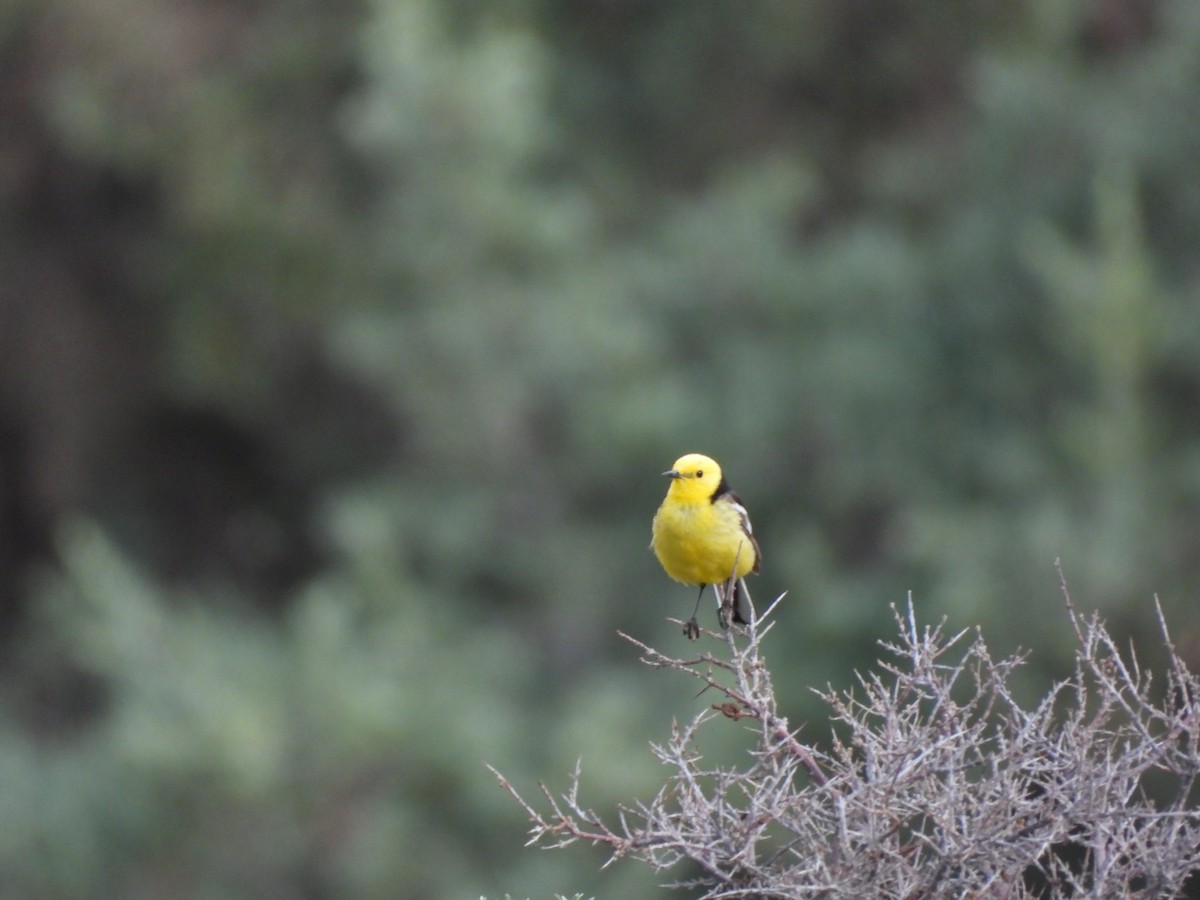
(673, 473)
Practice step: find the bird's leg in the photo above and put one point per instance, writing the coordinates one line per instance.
(727, 598)
(692, 628)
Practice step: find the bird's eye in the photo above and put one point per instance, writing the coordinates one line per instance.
(699, 473)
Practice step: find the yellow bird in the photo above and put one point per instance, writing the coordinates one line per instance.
(702, 536)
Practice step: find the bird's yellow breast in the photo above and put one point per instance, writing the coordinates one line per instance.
(698, 543)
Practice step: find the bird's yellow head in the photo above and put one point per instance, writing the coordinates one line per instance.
(694, 478)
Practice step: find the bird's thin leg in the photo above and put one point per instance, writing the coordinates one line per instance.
(727, 599)
(692, 627)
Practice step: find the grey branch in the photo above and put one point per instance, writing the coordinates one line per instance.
(934, 782)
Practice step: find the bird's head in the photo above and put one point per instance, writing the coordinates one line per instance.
(694, 477)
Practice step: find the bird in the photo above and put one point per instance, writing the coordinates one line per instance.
(701, 535)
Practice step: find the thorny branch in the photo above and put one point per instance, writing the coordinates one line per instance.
(935, 781)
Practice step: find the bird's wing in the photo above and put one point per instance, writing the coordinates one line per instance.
(736, 502)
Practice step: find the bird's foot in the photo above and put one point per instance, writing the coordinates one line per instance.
(691, 629)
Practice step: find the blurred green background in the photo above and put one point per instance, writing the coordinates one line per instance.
(341, 345)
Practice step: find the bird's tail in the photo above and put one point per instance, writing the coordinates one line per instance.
(743, 609)
(738, 606)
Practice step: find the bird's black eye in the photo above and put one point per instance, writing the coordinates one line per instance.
(699, 473)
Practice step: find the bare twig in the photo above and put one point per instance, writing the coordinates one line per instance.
(936, 781)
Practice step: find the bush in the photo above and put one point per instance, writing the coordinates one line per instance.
(936, 781)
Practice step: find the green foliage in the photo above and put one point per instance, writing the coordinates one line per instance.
(922, 279)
